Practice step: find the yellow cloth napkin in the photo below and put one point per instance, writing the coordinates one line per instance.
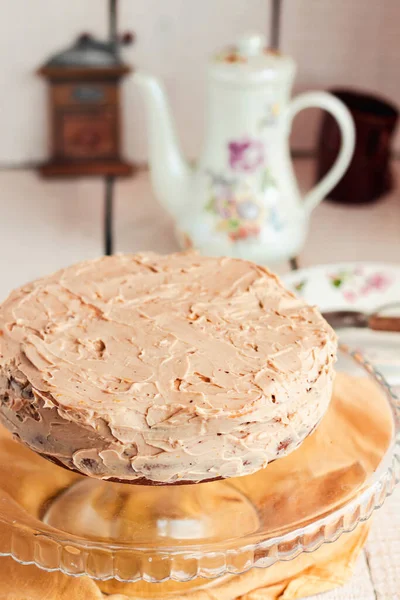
(360, 419)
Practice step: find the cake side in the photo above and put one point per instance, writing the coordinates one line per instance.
(169, 368)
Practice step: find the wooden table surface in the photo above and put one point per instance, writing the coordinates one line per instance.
(46, 225)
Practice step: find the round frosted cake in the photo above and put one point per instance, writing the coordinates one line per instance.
(163, 369)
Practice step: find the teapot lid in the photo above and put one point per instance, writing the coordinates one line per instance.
(250, 61)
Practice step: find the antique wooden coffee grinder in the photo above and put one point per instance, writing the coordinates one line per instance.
(84, 105)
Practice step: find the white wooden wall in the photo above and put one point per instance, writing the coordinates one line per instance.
(335, 42)
(352, 43)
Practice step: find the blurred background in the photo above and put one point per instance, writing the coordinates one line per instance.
(75, 154)
(48, 223)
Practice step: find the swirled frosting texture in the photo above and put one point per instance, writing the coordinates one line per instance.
(167, 368)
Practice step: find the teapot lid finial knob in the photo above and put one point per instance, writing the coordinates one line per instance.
(251, 44)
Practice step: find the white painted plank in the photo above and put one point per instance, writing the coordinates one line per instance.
(174, 40)
(29, 33)
(341, 43)
(383, 550)
(358, 588)
(335, 42)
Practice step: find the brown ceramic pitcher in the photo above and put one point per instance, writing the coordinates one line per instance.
(368, 175)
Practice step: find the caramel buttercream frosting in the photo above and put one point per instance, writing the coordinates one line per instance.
(163, 369)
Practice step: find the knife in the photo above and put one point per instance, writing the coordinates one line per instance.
(339, 319)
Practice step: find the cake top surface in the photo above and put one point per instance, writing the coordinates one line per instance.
(145, 336)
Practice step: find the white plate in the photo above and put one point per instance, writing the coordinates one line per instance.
(356, 286)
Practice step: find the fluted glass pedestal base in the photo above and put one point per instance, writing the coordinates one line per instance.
(159, 516)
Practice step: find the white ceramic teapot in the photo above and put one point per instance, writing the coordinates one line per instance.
(242, 198)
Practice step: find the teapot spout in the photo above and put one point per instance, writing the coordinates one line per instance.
(170, 173)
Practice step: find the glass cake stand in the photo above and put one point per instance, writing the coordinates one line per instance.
(334, 481)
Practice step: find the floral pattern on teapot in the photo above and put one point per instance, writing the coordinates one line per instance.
(244, 205)
(246, 154)
(241, 197)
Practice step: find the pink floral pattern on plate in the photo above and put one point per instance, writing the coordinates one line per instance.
(355, 284)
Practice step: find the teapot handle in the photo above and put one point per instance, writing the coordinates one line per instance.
(345, 121)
